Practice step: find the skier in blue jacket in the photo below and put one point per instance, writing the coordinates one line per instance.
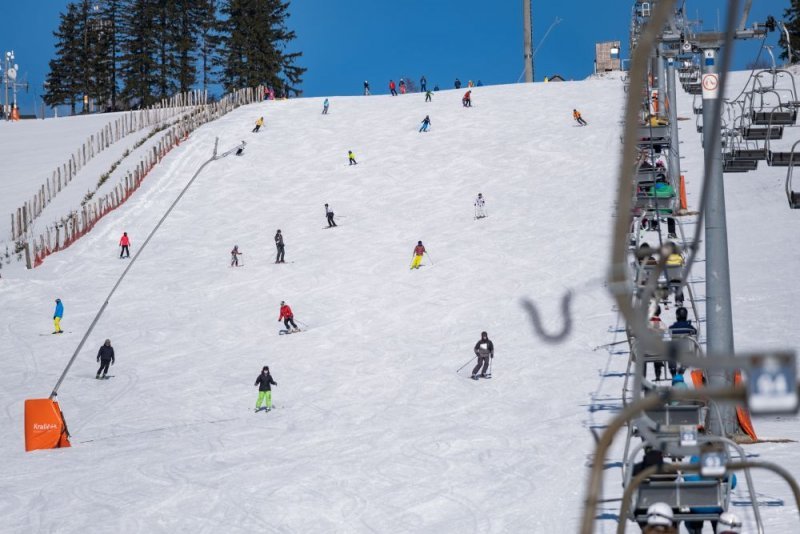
(57, 315)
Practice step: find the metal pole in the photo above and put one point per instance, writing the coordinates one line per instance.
(527, 39)
(719, 331)
(135, 257)
(672, 116)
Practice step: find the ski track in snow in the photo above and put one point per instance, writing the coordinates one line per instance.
(373, 430)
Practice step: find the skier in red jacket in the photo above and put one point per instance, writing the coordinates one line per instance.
(287, 317)
(392, 88)
(124, 243)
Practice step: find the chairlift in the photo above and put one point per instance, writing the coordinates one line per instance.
(762, 134)
(792, 196)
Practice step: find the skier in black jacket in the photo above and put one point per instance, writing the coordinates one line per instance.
(105, 356)
(279, 245)
(265, 383)
(484, 350)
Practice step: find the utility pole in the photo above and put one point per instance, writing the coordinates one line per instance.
(527, 39)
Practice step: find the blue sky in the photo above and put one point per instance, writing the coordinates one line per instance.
(345, 42)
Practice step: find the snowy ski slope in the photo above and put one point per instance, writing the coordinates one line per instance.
(373, 431)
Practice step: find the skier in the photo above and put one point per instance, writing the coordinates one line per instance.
(105, 356)
(57, 315)
(484, 350)
(428, 95)
(351, 157)
(366, 88)
(329, 216)
(423, 83)
(402, 86)
(419, 250)
(259, 124)
(124, 243)
(287, 317)
(325, 107)
(658, 328)
(467, 100)
(280, 246)
(392, 88)
(457, 84)
(577, 116)
(425, 123)
(264, 383)
(235, 256)
(470, 84)
(480, 207)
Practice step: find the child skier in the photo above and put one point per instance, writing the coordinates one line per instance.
(480, 207)
(467, 100)
(419, 250)
(329, 216)
(105, 357)
(235, 256)
(425, 123)
(287, 317)
(57, 315)
(280, 247)
(259, 124)
(351, 157)
(264, 383)
(124, 243)
(392, 88)
(577, 116)
(484, 350)
(402, 86)
(325, 107)
(428, 95)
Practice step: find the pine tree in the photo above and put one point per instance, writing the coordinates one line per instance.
(208, 39)
(106, 54)
(138, 51)
(254, 37)
(63, 86)
(791, 17)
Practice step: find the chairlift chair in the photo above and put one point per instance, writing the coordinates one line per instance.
(792, 196)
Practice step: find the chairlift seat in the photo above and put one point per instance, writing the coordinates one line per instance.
(698, 111)
(693, 88)
(749, 153)
(679, 495)
(739, 165)
(794, 200)
(782, 159)
(776, 118)
(676, 415)
(760, 134)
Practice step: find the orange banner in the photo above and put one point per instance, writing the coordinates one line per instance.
(44, 425)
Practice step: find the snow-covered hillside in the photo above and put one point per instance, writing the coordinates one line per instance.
(373, 431)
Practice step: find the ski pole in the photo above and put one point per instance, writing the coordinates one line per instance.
(468, 362)
(302, 323)
(429, 257)
(491, 361)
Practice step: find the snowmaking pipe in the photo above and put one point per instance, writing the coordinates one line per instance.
(215, 156)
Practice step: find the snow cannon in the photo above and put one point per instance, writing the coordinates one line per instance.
(45, 427)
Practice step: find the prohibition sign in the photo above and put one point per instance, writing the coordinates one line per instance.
(710, 82)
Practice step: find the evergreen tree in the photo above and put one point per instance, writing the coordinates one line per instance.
(791, 17)
(63, 85)
(138, 45)
(106, 62)
(254, 37)
(208, 39)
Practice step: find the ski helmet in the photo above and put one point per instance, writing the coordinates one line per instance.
(283, 302)
(265, 368)
(659, 514)
(419, 242)
(729, 523)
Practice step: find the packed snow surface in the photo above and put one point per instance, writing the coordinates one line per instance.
(374, 430)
